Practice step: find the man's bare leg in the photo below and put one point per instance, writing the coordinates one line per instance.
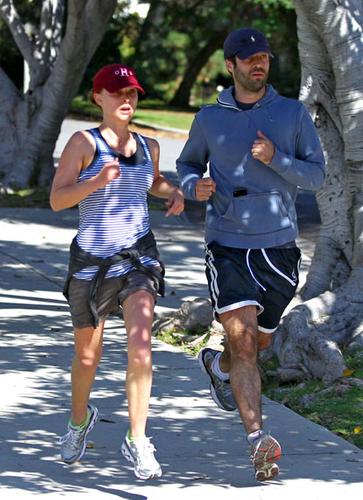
(241, 329)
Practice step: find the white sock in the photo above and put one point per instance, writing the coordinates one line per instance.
(253, 437)
(216, 369)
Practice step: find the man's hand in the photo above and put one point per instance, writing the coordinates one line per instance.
(263, 149)
(175, 203)
(204, 188)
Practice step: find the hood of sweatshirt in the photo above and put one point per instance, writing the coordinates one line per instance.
(226, 98)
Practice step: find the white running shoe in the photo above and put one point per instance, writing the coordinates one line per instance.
(141, 453)
(73, 443)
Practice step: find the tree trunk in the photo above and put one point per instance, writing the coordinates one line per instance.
(182, 95)
(151, 24)
(331, 49)
(31, 122)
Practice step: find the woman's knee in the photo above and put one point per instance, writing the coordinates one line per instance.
(88, 346)
(139, 358)
(88, 358)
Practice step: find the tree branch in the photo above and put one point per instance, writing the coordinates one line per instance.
(50, 33)
(12, 19)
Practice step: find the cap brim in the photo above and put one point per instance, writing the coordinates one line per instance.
(115, 86)
(248, 53)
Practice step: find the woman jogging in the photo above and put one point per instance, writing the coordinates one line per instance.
(114, 262)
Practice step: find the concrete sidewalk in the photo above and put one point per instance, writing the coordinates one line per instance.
(202, 449)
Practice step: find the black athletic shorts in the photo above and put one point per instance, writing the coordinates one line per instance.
(110, 296)
(266, 278)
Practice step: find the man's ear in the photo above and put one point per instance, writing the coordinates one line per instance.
(229, 66)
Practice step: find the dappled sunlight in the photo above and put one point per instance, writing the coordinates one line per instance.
(192, 436)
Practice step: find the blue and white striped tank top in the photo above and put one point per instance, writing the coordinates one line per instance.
(115, 216)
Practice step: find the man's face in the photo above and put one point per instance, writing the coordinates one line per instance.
(251, 73)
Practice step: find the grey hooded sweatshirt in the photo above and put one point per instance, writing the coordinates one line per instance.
(254, 203)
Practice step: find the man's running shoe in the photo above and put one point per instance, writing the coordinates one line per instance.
(73, 444)
(141, 453)
(264, 454)
(221, 391)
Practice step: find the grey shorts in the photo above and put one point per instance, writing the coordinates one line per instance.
(110, 296)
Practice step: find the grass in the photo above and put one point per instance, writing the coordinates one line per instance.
(31, 197)
(153, 116)
(338, 407)
(173, 119)
(184, 339)
(340, 413)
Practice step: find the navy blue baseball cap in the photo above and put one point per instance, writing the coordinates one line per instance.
(245, 42)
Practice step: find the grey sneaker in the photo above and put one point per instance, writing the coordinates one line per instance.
(141, 454)
(264, 454)
(73, 444)
(221, 391)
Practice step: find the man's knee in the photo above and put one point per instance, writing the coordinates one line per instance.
(243, 344)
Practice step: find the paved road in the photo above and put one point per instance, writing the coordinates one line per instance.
(170, 148)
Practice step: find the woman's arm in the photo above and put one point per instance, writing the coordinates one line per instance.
(77, 155)
(162, 187)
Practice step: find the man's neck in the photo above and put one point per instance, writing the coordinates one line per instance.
(247, 96)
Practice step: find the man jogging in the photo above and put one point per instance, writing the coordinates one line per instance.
(259, 147)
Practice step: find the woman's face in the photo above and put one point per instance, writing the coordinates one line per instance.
(121, 104)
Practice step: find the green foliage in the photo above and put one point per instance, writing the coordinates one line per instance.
(286, 4)
(37, 197)
(161, 46)
(84, 107)
(174, 41)
(184, 339)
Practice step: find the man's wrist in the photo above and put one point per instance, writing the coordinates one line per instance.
(272, 157)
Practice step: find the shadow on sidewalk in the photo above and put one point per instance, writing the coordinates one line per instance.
(197, 443)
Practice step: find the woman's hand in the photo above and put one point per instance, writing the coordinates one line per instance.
(175, 203)
(109, 172)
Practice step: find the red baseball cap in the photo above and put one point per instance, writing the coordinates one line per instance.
(114, 77)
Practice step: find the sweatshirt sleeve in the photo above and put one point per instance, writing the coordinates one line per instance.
(192, 162)
(307, 168)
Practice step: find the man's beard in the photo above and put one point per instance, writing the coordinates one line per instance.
(248, 83)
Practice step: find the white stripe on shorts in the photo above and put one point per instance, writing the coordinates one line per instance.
(292, 282)
(266, 330)
(238, 305)
(214, 275)
(251, 272)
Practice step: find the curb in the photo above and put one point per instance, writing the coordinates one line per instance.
(159, 127)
